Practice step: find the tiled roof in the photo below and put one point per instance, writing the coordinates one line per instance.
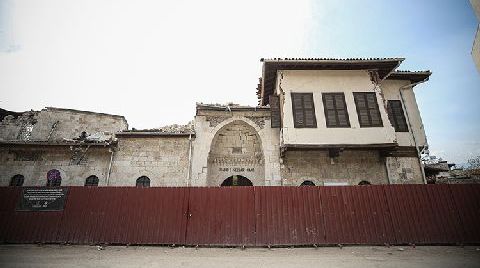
(413, 76)
(383, 66)
(330, 59)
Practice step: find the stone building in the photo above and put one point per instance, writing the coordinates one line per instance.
(318, 122)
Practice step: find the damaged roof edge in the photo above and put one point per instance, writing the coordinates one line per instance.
(80, 111)
(138, 134)
(220, 107)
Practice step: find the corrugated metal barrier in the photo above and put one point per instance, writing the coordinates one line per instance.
(251, 216)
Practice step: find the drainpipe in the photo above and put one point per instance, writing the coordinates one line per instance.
(281, 142)
(189, 175)
(419, 156)
(110, 165)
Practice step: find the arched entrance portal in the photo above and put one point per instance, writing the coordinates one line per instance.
(236, 180)
(236, 149)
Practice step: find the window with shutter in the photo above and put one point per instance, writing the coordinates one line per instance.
(397, 116)
(335, 108)
(367, 109)
(275, 111)
(303, 110)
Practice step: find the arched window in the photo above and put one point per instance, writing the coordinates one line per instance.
(54, 178)
(236, 180)
(92, 180)
(17, 180)
(364, 183)
(307, 183)
(143, 181)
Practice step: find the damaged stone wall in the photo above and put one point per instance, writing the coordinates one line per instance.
(163, 159)
(74, 163)
(236, 150)
(210, 119)
(404, 170)
(18, 126)
(351, 166)
(55, 124)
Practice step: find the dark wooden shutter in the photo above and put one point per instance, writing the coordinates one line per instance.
(309, 110)
(275, 111)
(397, 116)
(335, 108)
(303, 110)
(367, 109)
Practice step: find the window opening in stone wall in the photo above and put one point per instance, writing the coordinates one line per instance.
(17, 180)
(92, 180)
(143, 181)
(364, 183)
(236, 180)
(307, 183)
(54, 178)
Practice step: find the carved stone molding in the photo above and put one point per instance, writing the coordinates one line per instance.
(259, 121)
(216, 120)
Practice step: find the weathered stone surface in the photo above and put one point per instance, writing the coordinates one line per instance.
(54, 124)
(351, 166)
(163, 159)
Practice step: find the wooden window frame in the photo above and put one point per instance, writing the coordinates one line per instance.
(325, 110)
(393, 118)
(301, 95)
(376, 109)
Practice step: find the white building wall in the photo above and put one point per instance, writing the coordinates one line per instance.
(391, 91)
(318, 82)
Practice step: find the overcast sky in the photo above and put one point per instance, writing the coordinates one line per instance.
(152, 60)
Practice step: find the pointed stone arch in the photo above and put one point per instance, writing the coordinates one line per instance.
(236, 149)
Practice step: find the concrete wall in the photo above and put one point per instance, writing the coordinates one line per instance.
(209, 122)
(318, 82)
(163, 159)
(37, 125)
(34, 163)
(351, 166)
(391, 91)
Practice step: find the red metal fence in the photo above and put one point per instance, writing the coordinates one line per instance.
(251, 216)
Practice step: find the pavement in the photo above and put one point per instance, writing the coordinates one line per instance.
(156, 256)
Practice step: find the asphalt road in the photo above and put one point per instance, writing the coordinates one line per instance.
(143, 256)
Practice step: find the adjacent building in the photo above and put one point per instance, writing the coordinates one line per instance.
(318, 122)
(476, 42)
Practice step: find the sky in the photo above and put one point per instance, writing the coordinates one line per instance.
(151, 61)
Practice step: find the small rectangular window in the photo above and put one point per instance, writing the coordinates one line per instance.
(336, 114)
(303, 110)
(367, 109)
(397, 116)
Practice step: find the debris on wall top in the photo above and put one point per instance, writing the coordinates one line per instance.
(175, 129)
(229, 107)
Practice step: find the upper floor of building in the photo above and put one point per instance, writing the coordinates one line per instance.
(343, 102)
